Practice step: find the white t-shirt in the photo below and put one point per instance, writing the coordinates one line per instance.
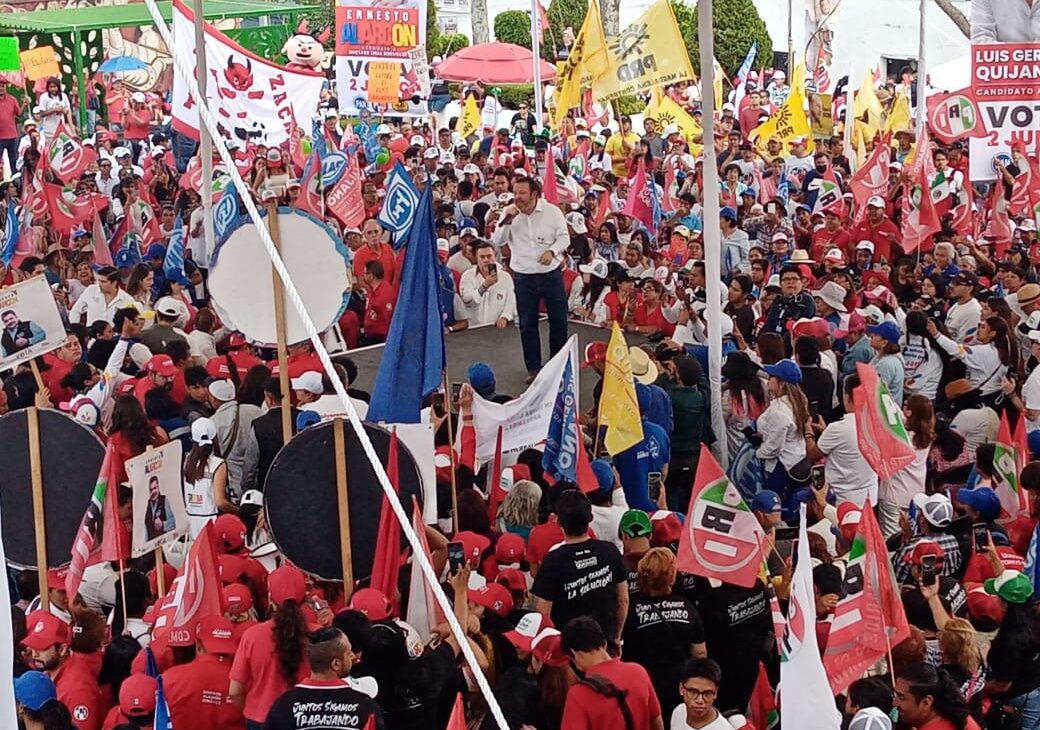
(1031, 397)
(923, 367)
(962, 321)
(49, 124)
(846, 471)
(678, 721)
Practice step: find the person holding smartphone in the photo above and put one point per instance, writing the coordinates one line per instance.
(487, 290)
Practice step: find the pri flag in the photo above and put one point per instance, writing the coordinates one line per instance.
(722, 539)
(952, 117)
(423, 610)
(640, 202)
(618, 406)
(196, 592)
(86, 540)
(67, 157)
(1006, 468)
(564, 456)
(254, 100)
(68, 210)
(386, 565)
(872, 177)
(920, 219)
(882, 436)
(806, 700)
(870, 617)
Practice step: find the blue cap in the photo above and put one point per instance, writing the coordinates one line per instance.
(156, 251)
(34, 690)
(604, 474)
(482, 378)
(888, 330)
(729, 213)
(981, 499)
(766, 501)
(127, 256)
(307, 418)
(467, 223)
(785, 370)
(644, 397)
(750, 191)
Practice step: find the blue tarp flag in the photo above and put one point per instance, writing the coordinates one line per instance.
(745, 68)
(783, 188)
(11, 231)
(399, 204)
(173, 264)
(225, 212)
(560, 457)
(162, 710)
(413, 358)
(655, 204)
(1032, 569)
(318, 141)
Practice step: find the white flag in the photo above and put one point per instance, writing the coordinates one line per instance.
(8, 714)
(423, 612)
(806, 699)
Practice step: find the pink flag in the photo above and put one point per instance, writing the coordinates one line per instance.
(640, 204)
(872, 178)
(102, 253)
(882, 437)
(920, 220)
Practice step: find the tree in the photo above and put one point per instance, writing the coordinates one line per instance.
(433, 30)
(959, 19)
(448, 44)
(562, 14)
(737, 25)
(479, 19)
(514, 26)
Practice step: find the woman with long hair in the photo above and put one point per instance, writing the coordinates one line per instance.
(743, 398)
(205, 478)
(270, 658)
(895, 493)
(962, 658)
(922, 357)
(738, 306)
(1013, 678)
(607, 245)
(781, 429)
(139, 286)
(926, 695)
(588, 301)
(130, 432)
(37, 704)
(988, 361)
(518, 512)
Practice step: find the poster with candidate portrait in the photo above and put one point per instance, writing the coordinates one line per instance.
(158, 512)
(1005, 82)
(30, 324)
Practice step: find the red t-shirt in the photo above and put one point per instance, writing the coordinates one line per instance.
(137, 124)
(9, 111)
(379, 310)
(879, 235)
(52, 377)
(256, 667)
(78, 690)
(385, 256)
(823, 240)
(940, 724)
(200, 689)
(586, 709)
(655, 318)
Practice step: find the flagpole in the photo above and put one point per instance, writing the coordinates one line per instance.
(343, 508)
(279, 325)
(922, 68)
(536, 59)
(850, 121)
(451, 454)
(36, 476)
(205, 141)
(712, 233)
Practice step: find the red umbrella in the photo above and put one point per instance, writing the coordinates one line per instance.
(493, 63)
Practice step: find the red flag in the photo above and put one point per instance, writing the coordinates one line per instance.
(640, 204)
(196, 592)
(870, 617)
(296, 154)
(722, 538)
(998, 225)
(763, 701)
(86, 540)
(387, 562)
(579, 164)
(962, 215)
(882, 436)
(1026, 187)
(345, 201)
(66, 156)
(549, 190)
(1006, 469)
(920, 219)
(952, 117)
(115, 536)
(494, 480)
(670, 201)
(1022, 455)
(543, 20)
(67, 209)
(311, 197)
(828, 193)
(602, 208)
(595, 113)
(102, 253)
(457, 721)
(872, 178)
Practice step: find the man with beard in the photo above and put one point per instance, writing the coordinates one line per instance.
(48, 643)
(158, 372)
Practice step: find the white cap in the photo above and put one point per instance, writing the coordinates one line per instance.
(443, 245)
(505, 198)
(727, 107)
(596, 165)
(581, 133)
(383, 129)
(596, 267)
(252, 497)
(471, 169)
(203, 431)
(431, 153)
(669, 130)
(600, 139)
(418, 140)
(872, 314)
(577, 221)
(870, 718)
(876, 201)
(168, 307)
(447, 158)
(330, 113)
(936, 508)
(121, 152)
(1027, 225)
(222, 390)
(469, 231)
(138, 97)
(865, 246)
(158, 151)
(308, 382)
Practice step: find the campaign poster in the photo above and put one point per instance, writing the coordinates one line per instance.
(377, 32)
(158, 507)
(1005, 82)
(30, 324)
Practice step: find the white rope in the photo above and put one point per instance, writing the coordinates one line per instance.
(419, 555)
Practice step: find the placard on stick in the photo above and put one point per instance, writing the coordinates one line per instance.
(158, 515)
(30, 324)
(40, 63)
(9, 60)
(384, 82)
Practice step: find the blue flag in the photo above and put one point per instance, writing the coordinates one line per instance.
(413, 358)
(1032, 568)
(399, 204)
(162, 710)
(173, 264)
(745, 68)
(783, 188)
(655, 204)
(225, 212)
(11, 231)
(318, 141)
(560, 457)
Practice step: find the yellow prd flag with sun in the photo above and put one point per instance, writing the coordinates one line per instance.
(789, 120)
(618, 405)
(588, 61)
(899, 117)
(665, 111)
(470, 122)
(650, 52)
(866, 107)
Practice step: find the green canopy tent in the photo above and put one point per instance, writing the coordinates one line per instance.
(77, 21)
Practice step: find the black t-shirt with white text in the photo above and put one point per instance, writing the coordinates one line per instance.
(322, 705)
(581, 580)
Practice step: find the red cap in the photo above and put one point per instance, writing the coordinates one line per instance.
(285, 583)
(56, 578)
(509, 549)
(217, 635)
(217, 367)
(512, 579)
(137, 695)
(230, 532)
(542, 539)
(528, 627)
(594, 352)
(181, 636)
(923, 548)
(45, 630)
(237, 598)
(548, 648)
(235, 340)
(667, 528)
(849, 515)
(442, 463)
(161, 365)
(473, 545)
(494, 597)
(373, 603)
(982, 605)
(231, 568)
(169, 573)
(811, 326)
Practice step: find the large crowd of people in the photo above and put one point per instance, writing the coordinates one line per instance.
(569, 594)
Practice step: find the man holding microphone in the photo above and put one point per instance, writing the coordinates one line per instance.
(536, 234)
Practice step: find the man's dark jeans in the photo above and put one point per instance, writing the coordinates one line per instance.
(530, 290)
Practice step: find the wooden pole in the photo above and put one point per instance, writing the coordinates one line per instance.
(279, 320)
(160, 574)
(36, 375)
(343, 505)
(122, 590)
(451, 452)
(36, 475)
